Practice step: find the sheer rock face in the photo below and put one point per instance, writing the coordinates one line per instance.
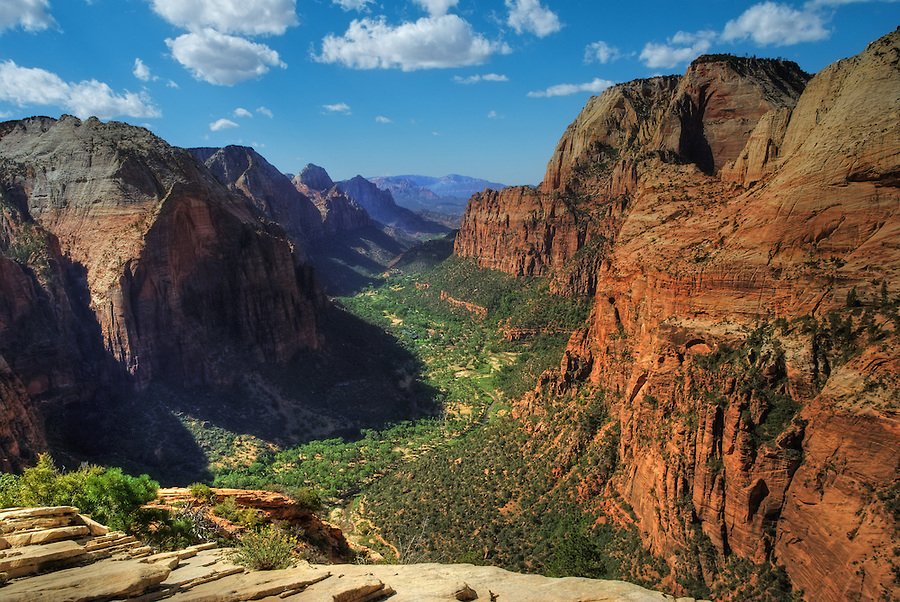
(175, 273)
(338, 212)
(698, 207)
(380, 206)
(244, 170)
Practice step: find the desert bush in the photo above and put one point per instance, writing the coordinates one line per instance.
(230, 511)
(269, 548)
(202, 493)
(107, 494)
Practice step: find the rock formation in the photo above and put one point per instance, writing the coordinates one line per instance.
(727, 223)
(339, 213)
(244, 170)
(79, 560)
(380, 205)
(124, 261)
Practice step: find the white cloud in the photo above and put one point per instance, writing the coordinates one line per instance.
(383, 119)
(815, 3)
(601, 52)
(222, 124)
(341, 107)
(25, 86)
(241, 112)
(530, 16)
(30, 15)
(251, 17)
(493, 115)
(142, 71)
(172, 84)
(265, 112)
(352, 4)
(681, 48)
(595, 87)
(222, 59)
(429, 43)
(436, 8)
(773, 24)
(474, 79)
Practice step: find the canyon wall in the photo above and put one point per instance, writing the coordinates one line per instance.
(125, 261)
(736, 228)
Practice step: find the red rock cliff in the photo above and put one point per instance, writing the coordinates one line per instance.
(729, 224)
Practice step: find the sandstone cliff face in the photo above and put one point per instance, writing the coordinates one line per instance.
(154, 232)
(126, 261)
(338, 212)
(244, 170)
(380, 206)
(741, 218)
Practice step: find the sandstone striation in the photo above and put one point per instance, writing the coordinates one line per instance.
(726, 223)
(244, 170)
(102, 567)
(339, 213)
(380, 205)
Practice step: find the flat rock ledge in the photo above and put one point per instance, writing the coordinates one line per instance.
(59, 555)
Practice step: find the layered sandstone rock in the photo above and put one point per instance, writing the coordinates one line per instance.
(172, 260)
(246, 171)
(87, 563)
(380, 205)
(703, 210)
(339, 213)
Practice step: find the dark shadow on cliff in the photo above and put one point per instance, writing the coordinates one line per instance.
(101, 420)
(349, 262)
(361, 379)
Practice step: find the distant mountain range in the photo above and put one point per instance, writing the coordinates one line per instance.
(432, 196)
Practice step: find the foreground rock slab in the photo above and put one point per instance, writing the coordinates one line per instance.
(91, 564)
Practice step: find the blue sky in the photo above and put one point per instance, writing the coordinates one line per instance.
(384, 88)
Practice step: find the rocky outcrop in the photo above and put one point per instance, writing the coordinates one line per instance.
(172, 260)
(314, 177)
(244, 170)
(380, 205)
(123, 262)
(91, 565)
(272, 507)
(727, 225)
(338, 212)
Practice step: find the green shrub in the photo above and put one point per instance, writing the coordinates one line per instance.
(230, 511)
(202, 493)
(268, 549)
(107, 494)
(307, 498)
(9, 490)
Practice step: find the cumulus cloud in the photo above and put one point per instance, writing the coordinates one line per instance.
(222, 124)
(493, 115)
(265, 112)
(352, 4)
(601, 52)
(532, 17)
(681, 47)
(383, 119)
(474, 79)
(251, 17)
(26, 86)
(222, 59)
(341, 107)
(142, 71)
(243, 113)
(30, 15)
(429, 43)
(594, 87)
(436, 8)
(773, 24)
